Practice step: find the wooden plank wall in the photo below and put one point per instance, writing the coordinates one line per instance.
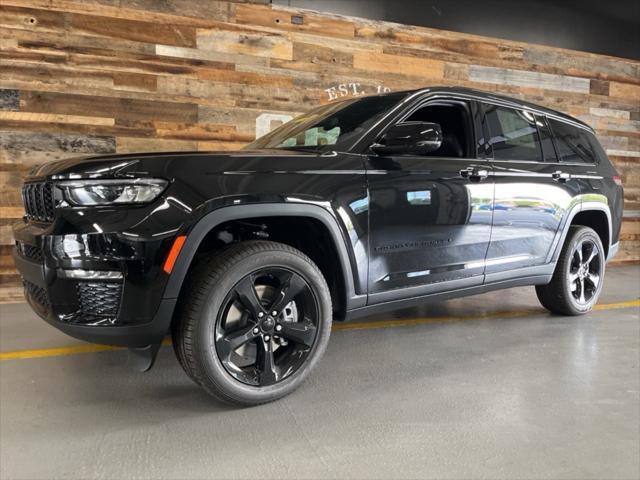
(102, 76)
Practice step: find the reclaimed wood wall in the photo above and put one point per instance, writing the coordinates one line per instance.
(103, 76)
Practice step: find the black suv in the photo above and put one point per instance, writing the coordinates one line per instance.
(358, 206)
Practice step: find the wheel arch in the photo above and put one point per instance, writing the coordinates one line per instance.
(239, 212)
(598, 221)
(593, 214)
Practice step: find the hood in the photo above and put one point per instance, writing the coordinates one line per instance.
(136, 164)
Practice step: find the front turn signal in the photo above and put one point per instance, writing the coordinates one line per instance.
(173, 253)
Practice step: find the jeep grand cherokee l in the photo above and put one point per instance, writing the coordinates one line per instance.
(367, 204)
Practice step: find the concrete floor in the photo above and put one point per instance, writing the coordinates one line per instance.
(529, 395)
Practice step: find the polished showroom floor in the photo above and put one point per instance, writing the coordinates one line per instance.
(489, 386)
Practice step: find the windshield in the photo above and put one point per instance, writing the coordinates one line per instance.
(331, 127)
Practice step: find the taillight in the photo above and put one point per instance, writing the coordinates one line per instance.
(617, 180)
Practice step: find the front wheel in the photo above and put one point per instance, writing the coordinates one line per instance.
(255, 322)
(579, 274)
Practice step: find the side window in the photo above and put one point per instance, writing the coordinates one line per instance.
(454, 119)
(514, 135)
(546, 140)
(573, 143)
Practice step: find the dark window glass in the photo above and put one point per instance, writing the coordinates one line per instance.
(455, 123)
(548, 150)
(573, 143)
(514, 135)
(331, 127)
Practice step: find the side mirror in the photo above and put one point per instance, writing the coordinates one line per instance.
(410, 138)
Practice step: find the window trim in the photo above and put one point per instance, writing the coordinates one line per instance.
(361, 145)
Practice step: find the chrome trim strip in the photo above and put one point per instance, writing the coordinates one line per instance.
(80, 274)
(504, 103)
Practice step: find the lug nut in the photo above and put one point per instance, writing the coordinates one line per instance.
(274, 314)
(278, 328)
(256, 330)
(267, 338)
(260, 315)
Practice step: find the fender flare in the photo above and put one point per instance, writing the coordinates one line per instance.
(236, 212)
(589, 206)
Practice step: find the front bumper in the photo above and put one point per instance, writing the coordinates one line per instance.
(97, 287)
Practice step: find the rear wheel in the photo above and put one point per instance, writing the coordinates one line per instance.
(255, 321)
(579, 274)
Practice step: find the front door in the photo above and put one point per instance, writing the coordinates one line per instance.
(430, 216)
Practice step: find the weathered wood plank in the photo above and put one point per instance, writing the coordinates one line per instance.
(625, 90)
(409, 66)
(197, 54)
(563, 83)
(136, 144)
(134, 81)
(200, 132)
(178, 12)
(137, 30)
(583, 64)
(288, 20)
(26, 141)
(252, 44)
(609, 112)
(118, 108)
(9, 99)
(56, 118)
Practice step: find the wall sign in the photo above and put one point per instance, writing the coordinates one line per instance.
(352, 89)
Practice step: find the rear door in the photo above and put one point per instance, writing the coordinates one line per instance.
(532, 193)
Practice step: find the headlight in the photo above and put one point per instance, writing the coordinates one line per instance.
(112, 192)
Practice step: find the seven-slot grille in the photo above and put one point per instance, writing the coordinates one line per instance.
(38, 201)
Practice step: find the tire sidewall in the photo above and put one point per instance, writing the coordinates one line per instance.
(582, 234)
(212, 369)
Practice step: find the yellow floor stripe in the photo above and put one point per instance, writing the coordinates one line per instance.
(375, 324)
(401, 322)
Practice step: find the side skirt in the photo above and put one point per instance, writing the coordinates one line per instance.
(434, 297)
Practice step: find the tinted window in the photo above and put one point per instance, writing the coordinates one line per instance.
(455, 123)
(514, 135)
(333, 126)
(573, 143)
(548, 150)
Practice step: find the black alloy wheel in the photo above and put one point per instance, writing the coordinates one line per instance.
(253, 323)
(585, 271)
(267, 326)
(578, 277)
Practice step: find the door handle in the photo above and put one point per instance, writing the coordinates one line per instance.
(560, 176)
(474, 174)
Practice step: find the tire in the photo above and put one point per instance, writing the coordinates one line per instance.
(578, 278)
(254, 322)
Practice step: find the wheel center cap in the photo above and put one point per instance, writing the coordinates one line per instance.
(268, 323)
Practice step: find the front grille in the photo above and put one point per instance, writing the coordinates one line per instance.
(99, 298)
(30, 252)
(37, 294)
(39, 202)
